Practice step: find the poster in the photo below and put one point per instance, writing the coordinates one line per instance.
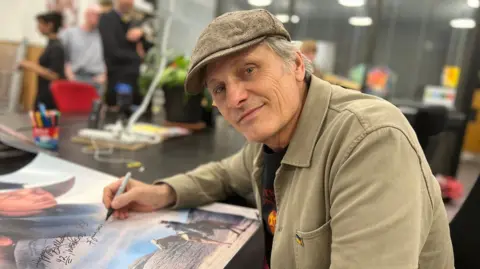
(438, 95)
(380, 80)
(450, 76)
(51, 216)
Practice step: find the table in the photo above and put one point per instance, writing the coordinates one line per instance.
(165, 159)
(173, 156)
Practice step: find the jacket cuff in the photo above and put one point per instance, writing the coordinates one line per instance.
(187, 193)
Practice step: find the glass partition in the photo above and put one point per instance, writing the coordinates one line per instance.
(417, 45)
(422, 44)
(338, 28)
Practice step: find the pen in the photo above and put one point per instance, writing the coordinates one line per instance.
(43, 114)
(39, 120)
(52, 118)
(120, 190)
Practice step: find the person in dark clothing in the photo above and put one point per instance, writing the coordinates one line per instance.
(120, 54)
(50, 65)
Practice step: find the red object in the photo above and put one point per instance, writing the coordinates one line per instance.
(51, 132)
(451, 187)
(73, 96)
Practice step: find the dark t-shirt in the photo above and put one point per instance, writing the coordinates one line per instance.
(53, 58)
(272, 162)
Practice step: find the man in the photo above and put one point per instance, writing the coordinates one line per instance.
(120, 53)
(339, 177)
(84, 52)
(309, 49)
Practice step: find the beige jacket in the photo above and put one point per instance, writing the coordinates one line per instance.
(354, 186)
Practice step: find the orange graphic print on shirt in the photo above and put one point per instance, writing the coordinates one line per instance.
(272, 220)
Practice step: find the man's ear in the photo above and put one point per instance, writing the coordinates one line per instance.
(299, 67)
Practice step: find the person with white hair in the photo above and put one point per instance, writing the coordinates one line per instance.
(84, 51)
(338, 177)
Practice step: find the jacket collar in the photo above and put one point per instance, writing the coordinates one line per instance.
(309, 126)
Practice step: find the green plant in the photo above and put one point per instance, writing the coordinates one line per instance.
(173, 76)
(175, 73)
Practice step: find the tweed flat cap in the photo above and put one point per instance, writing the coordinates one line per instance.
(227, 34)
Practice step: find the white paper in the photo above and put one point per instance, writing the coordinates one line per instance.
(54, 218)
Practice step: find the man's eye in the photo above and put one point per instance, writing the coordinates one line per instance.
(249, 70)
(218, 89)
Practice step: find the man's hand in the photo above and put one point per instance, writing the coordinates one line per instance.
(134, 34)
(69, 72)
(100, 78)
(138, 196)
(140, 50)
(70, 77)
(23, 64)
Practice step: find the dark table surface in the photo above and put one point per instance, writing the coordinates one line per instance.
(168, 158)
(409, 108)
(175, 155)
(449, 143)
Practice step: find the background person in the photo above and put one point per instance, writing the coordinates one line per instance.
(309, 49)
(84, 51)
(50, 65)
(120, 54)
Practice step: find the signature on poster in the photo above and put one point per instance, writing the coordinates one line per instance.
(62, 249)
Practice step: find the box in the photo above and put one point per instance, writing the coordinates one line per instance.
(46, 138)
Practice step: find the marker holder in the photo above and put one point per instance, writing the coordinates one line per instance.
(46, 138)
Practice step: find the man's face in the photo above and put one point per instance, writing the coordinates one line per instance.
(125, 4)
(256, 91)
(27, 202)
(92, 16)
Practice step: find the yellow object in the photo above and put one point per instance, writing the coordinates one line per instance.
(134, 164)
(149, 128)
(450, 76)
(299, 240)
(472, 133)
(476, 100)
(39, 119)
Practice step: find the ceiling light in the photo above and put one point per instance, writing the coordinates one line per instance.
(473, 3)
(282, 17)
(360, 21)
(294, 19)
(260, 3)
(463, 23)
(352, 3)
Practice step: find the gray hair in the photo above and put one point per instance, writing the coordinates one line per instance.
(287, 51)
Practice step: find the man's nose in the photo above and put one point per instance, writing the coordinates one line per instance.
(236, 95)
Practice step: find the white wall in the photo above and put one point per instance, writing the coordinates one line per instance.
(189, 19)
(17, 18)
